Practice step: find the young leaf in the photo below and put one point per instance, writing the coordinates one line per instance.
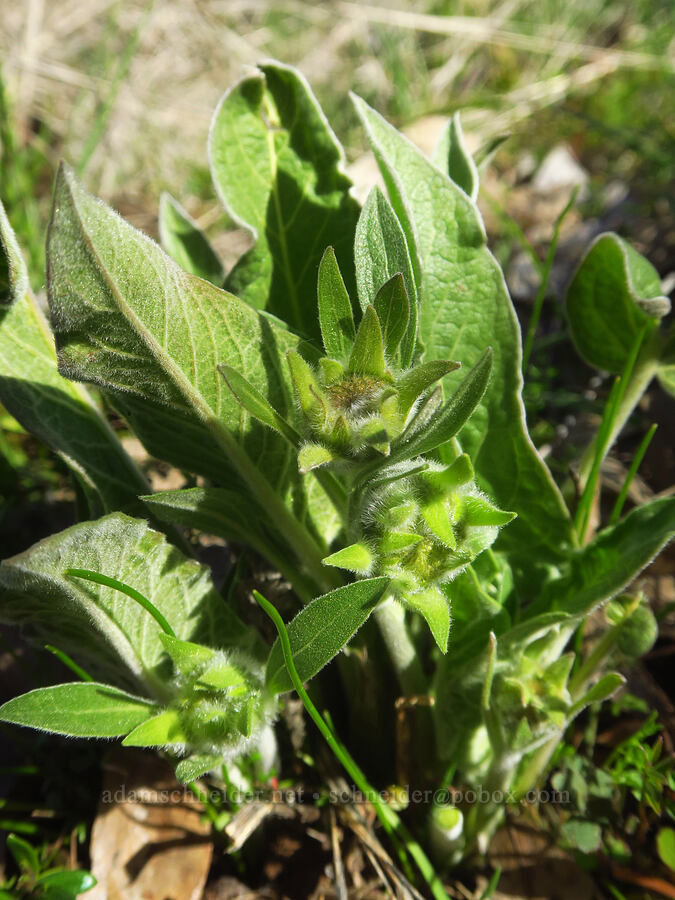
(367, 356)
(446, 423)
(601, 569)
(380, 252)
(255, 404)
(321, 630)
(102, 629)
(603, 689)
(419, 379)
(393, 310)
(162, 729)
(183, 240)
(25, 855)
(464, 306)
(613, 295)
(195, 766)
(81, 709)
(66, 884)
(434, 607)
(278, 168)
(61, 414)
(311, 456)
(355, 558)
(335, 309)
(186, 656)
(452, 157)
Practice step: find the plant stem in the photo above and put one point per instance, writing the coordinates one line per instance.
(390, 617)
(390, 821)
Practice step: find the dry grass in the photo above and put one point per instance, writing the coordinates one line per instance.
(61, 59)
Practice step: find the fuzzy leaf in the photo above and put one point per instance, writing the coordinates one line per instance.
(452, 157)
(311, 456)
(380, 253)
(256, 405)
(613, 295)
(61, 414)
(278, 168)
(102, 629)
(195, 766)
(186, 656)
(611, 561)
(393, 310)
(335, 309)
(127, 318)
(81, 709)
(321, 630)
(185, 243)
(603, 689)
(445, 423)
(464, 307)
(164, 728)
(355, 558)
(481, 512)
(419, 379)
(367, 356)
(434, 607)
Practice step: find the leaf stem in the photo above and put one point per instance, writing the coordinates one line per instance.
(390, 617)
(81, 673)
(390, 821)
(632, 471)
(116, 585)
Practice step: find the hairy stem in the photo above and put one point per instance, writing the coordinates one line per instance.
(390, 617)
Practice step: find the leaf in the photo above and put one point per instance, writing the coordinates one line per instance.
(321, 630)
(434, 607)
(335, 309)
(195, 766)
(311, 456)
(13, 271)
(393, 310)
(665, 845)
(355, 558)
(380, 253)
(127, 318)
(603, 568)
(162, 729)
(25, 855)
(278, 169)
(603, 689)
(446, 423)
(367, 356)
(101, 628)
(81, 709)
(183, 240)
(255, 404)
(452, 158)
(71, 883)
(614, 293)
(464, 307)
(186, 656)
(419, 379)
(585, 836)
(61, 414)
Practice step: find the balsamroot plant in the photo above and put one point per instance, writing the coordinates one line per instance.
(348, 399)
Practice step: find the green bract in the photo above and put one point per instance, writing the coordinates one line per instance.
(349, 396)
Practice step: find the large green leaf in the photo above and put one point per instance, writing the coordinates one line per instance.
(183, 240)
(128, 318)
(610, 562)
(81, 709)
(60, 413)
(278, 169)
(465, 307)
(614, 294)
(321, 630)
(103, 629)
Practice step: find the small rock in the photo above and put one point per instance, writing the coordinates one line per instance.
(560, 169)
